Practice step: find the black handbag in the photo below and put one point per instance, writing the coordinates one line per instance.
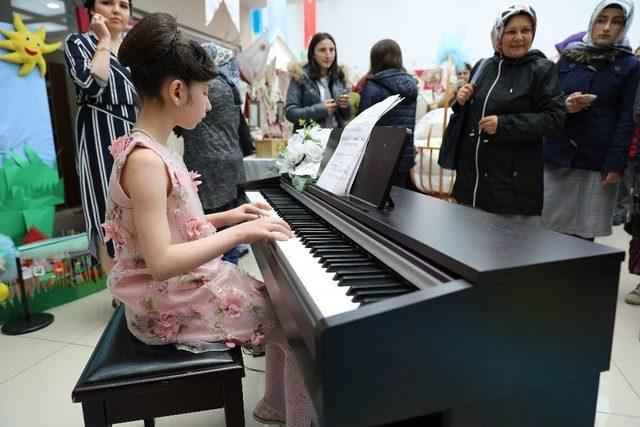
(447, 158)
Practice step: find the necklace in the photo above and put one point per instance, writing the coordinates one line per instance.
(144, 132)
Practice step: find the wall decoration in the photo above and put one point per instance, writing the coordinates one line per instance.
(27, 47)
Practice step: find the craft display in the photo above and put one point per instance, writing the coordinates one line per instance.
(27, 48)
(54, 271)
(29, 191)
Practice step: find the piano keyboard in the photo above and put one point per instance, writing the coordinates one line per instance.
(337, 274)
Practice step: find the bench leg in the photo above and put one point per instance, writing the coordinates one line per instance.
(151, 422)
(94, 414)
(233, 404)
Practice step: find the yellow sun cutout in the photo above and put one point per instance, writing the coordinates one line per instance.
(27, 47)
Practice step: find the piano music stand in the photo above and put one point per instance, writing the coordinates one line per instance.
(382, 159)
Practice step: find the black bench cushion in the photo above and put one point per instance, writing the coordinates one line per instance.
(119, 355)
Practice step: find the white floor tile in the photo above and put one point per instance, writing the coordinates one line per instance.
(91, 338)
(77, 318)
(18, 353)
(626, 356)
(609, 420)
(41, 395)
(616, 396)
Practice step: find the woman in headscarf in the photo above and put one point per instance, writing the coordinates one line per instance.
(212, 148)
(514, 103)
(585, 160)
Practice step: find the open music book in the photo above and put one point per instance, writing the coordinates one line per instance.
(339, 174)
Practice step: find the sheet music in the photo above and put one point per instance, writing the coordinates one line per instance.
(339, 174)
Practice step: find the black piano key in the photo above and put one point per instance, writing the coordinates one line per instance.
(371, 300)
(358, 295)
(333, 267)
(348, 280)
(377, 287)
(318, 252)
(351, 271)
(310, 244)
(335, 252)
(343, 258)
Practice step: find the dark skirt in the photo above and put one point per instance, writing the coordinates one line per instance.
(96, 128)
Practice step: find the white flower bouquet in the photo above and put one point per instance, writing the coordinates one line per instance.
(302, 155)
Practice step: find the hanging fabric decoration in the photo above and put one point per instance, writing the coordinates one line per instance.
(27, 47)
(309, 21)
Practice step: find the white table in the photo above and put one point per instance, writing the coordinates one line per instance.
(258, 168)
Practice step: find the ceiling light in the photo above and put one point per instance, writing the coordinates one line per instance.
(53, 5)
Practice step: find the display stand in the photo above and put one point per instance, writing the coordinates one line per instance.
(30, 322)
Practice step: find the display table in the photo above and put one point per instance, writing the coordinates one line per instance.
(258, 168)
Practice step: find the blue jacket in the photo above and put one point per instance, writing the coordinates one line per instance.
(391, 82)
(304, 101)
(597, 138)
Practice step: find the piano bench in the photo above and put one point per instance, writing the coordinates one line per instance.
(127, 380)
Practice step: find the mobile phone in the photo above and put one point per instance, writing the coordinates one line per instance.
(586, 98)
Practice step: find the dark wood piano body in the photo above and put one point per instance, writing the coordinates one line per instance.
(516, 331)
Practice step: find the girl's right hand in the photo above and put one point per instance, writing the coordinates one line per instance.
(572, 103)
(99, 26)
(265, 228)
(464, 93)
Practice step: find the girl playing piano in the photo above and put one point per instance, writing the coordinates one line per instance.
(169, 273)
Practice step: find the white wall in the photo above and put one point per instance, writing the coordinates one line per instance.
(419, 25)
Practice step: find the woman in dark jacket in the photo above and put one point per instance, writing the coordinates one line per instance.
(318, 91)
(388, 77)
(516, 102)
(585, 160)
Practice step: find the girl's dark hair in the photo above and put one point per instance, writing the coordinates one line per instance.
(91, 5)
(314, 69)
(384, 55)
(155, 51)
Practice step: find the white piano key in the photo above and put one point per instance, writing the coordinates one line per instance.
(330, 298)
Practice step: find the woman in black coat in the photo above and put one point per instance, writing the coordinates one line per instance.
(515, 102)
(388, 77)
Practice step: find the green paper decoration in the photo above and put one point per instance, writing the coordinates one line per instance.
(29, 191)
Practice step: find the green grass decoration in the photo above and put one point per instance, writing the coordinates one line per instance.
(29, 191)
(45, 298)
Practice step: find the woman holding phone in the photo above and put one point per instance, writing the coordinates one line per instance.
(600, 75)
(318, 90)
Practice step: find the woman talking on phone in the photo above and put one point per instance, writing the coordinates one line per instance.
(584, 161)
(318, 90)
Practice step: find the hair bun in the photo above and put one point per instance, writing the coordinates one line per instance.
(148, 39)
(155, 50)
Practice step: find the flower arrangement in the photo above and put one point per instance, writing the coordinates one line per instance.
(301, 156)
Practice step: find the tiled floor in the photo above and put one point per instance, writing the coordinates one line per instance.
(38, 370)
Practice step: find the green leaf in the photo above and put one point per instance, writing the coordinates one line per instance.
(301, 181)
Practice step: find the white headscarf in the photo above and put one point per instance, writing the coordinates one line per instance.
(504, 16)
(627, 8)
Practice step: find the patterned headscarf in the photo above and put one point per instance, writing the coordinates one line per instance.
(225, 62)
(505, 15)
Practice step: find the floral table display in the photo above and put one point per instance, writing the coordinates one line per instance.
(300, 158)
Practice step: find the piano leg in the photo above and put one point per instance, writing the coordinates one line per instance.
(565, 405)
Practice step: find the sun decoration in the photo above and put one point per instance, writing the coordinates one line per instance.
(27, 47)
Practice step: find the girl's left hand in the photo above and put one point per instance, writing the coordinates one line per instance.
(610, 177)
(248, 212)
(343, 101)
(488, 124)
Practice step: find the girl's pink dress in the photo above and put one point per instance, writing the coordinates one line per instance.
(216, 302)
